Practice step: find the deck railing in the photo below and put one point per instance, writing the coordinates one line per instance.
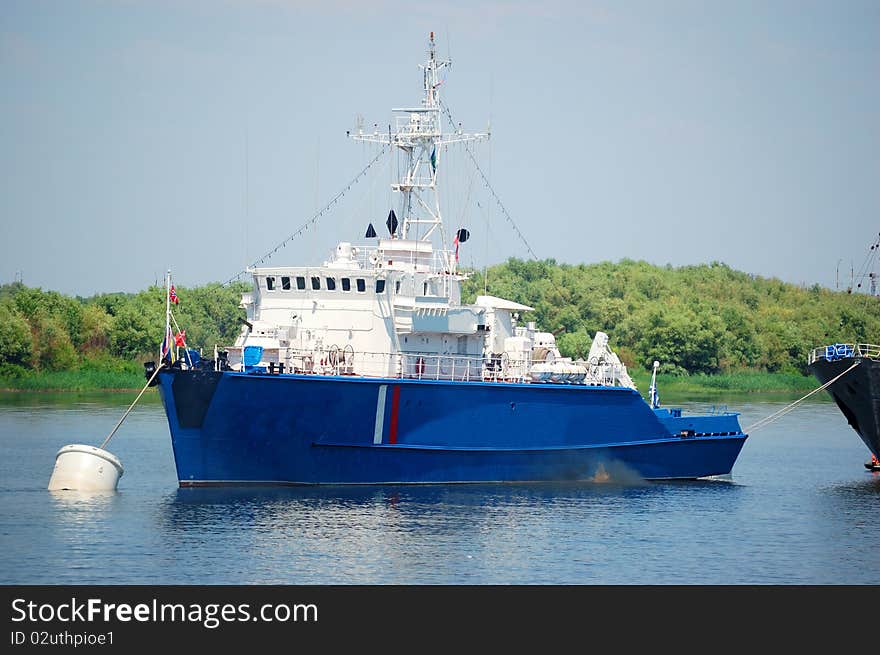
(422, 366)
(418, 365)
(368, 255)
(837, 351)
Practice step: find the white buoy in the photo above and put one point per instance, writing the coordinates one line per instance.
(80, 467)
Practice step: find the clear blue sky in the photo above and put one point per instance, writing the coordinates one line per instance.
(139, 135)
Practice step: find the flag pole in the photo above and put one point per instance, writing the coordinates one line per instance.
(167, 313)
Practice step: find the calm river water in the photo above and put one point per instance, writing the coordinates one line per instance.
(799, 508)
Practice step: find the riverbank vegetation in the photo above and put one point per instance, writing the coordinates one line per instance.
(707, 319)
(52, 341)
(710, 327)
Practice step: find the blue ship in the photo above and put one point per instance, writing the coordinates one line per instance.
(369, 369)
(255, 428)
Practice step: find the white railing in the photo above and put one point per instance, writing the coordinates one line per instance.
(509, 367)
(844, 351)
(335, 361)
(437, 260)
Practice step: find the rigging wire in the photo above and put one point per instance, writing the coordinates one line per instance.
(363, 206)
(560, 290)
(467, 199)
(489, 186)
(314, 219)
(866, 270)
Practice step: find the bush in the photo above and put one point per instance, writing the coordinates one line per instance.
(54, 351)
(16, 341)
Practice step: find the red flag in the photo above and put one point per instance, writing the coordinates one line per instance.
(172, 296)
(180, 338)
(455, 242)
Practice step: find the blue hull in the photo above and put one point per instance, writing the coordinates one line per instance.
(234, 428)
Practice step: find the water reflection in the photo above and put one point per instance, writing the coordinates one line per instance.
(75, 399)
(183, 504)
(231, 503)
(855, 491)
(403, 534)
(77, 503)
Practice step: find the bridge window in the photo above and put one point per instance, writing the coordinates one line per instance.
(361, 284)
(331, 284)
(346, 284)
(270, 283)
(316, 283)
(397, 287)
(380, 286)
(285, 283)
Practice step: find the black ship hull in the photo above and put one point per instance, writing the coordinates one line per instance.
(857, 394)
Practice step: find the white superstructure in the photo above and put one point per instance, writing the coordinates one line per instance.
(393, 308)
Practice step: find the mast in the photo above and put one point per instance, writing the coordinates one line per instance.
(418, 134)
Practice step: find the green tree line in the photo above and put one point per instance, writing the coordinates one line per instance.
(47, 331)
(694, 319)
(702, 319)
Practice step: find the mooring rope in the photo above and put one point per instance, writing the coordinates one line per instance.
(131, 407)
(785, 410)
